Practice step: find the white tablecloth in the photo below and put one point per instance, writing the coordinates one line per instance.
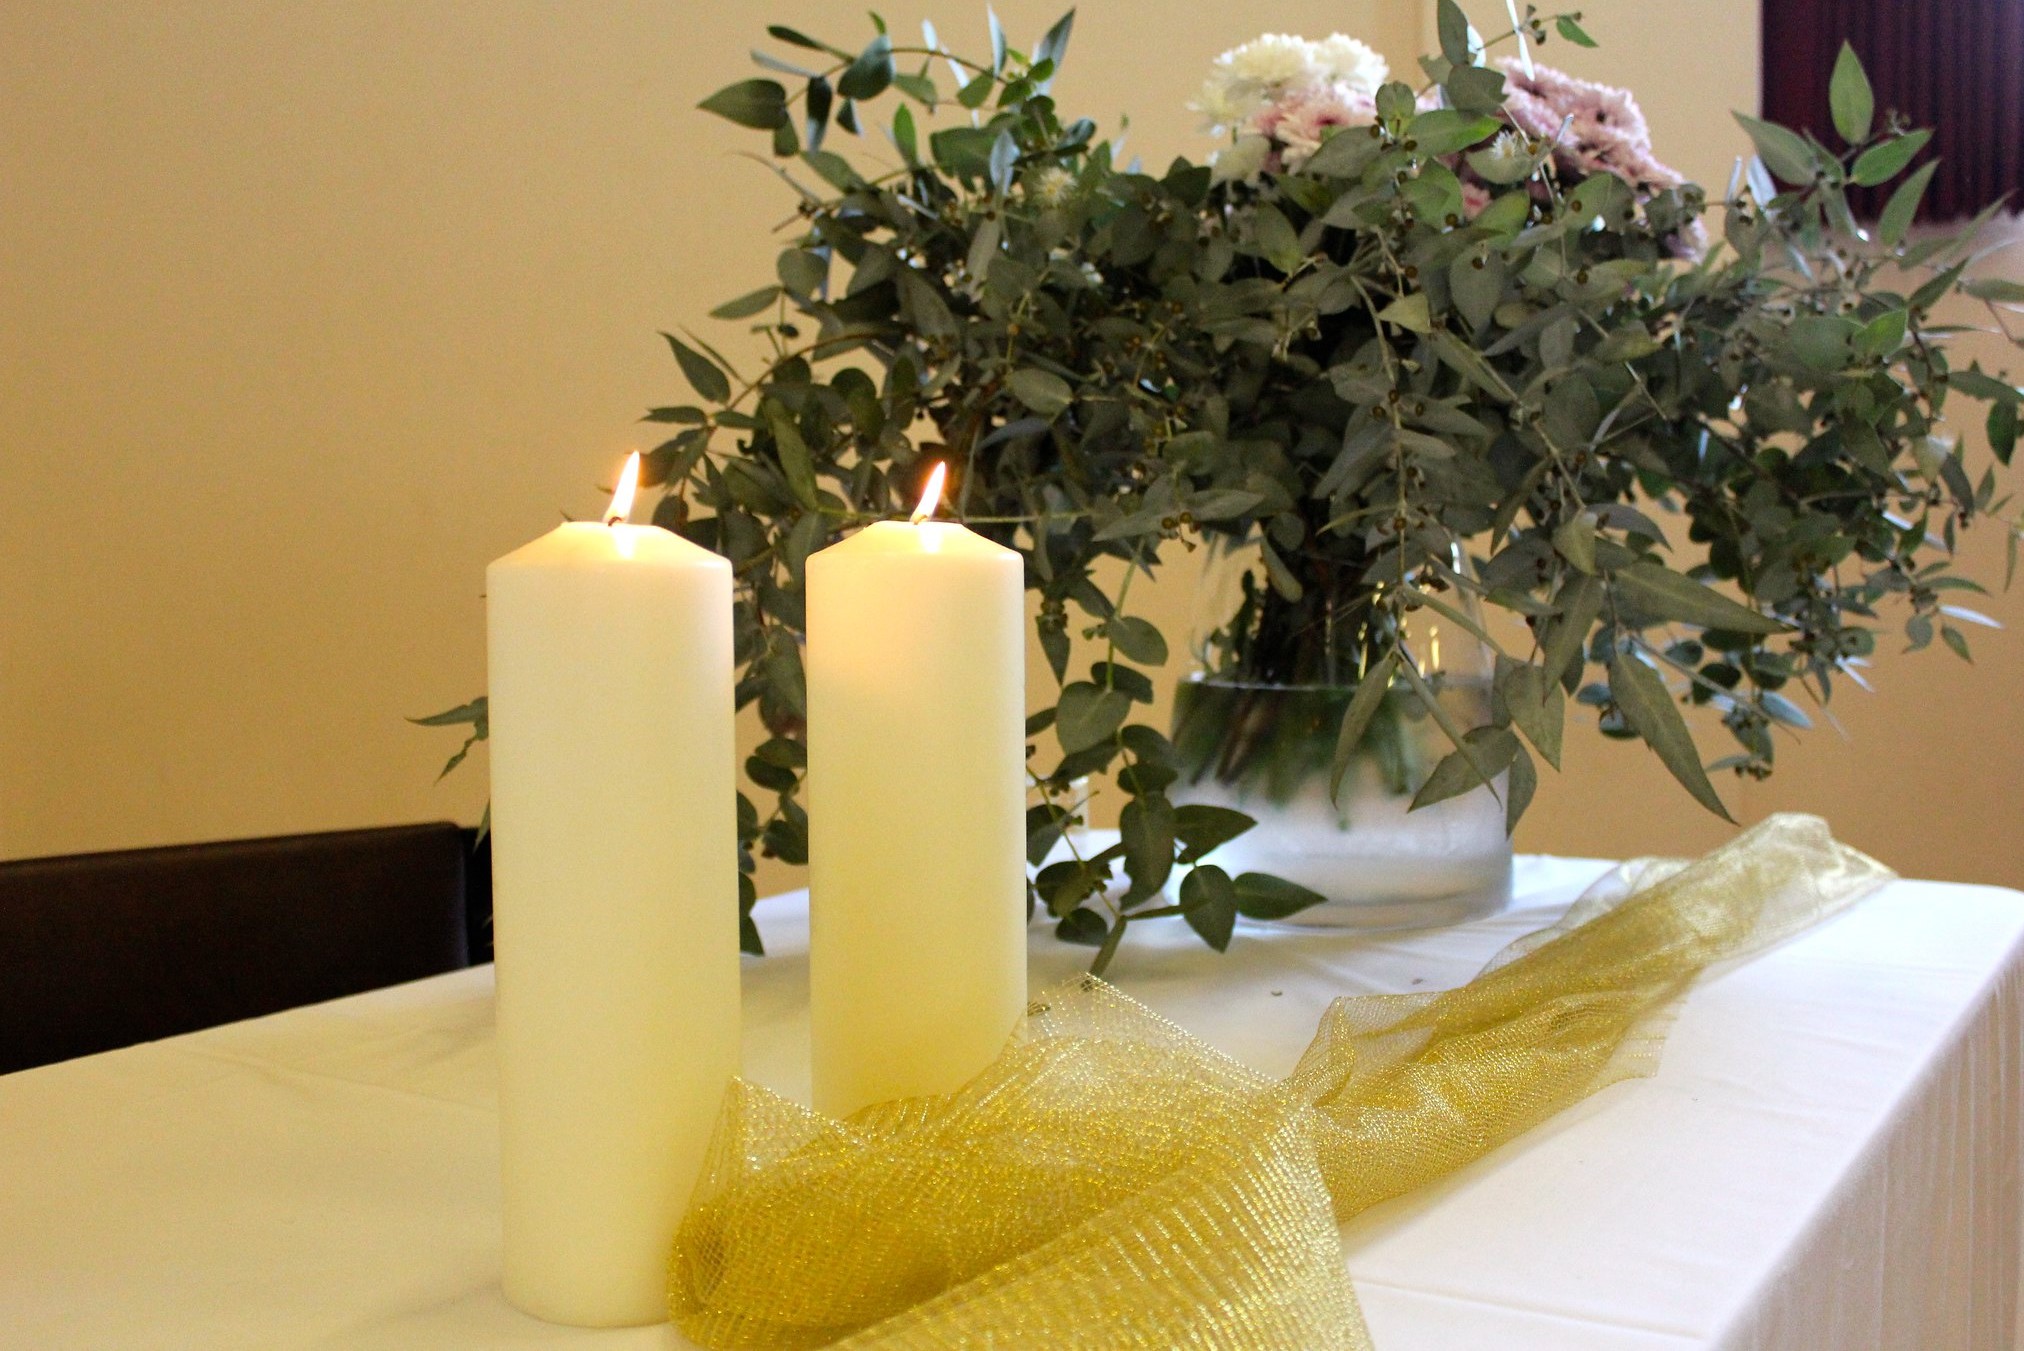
(1829, 1157)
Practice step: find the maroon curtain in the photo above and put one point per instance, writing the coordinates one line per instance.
(1956, 66)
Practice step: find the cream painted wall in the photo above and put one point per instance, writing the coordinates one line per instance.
(307, 310)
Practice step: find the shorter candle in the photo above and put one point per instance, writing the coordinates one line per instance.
(615, 891)
(916, 776)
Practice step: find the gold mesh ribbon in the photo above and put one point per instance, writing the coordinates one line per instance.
(1111, 1181)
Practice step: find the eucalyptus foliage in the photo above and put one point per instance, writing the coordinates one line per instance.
(1695, 482)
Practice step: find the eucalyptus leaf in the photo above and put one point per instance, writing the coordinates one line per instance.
(1209, 903)
(1641, 695)
(1356, 718)
(703, 375)
(1882, 163)
(1660, 591)
(760, 104)
(1042, 391)
(1202, 828)
(1849, 98)
(1785, 152)
(1087, 715)
(1263, 896)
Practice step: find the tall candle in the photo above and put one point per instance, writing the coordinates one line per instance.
(916, 781)
(615, 898)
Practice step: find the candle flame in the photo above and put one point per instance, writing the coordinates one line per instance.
(931, 496)
(628, 484)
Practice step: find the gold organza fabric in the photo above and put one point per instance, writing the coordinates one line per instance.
(1111, 1181)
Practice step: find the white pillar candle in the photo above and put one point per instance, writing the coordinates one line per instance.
(916, 777)
(615, 899)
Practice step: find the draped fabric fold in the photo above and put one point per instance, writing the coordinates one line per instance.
(1111, 1181)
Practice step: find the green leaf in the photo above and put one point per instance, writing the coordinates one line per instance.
(1276, 239)
(1263, 896)
(1439, 713)
(834, 168)
(920, 88)
(977, 92)
(476, 713)
(1087, 715)
(1580, 603)
(1823, 341)
(795, 461)
(1958, 641)
(1520, 783)
(1053, 47)
(1882, 335)
(1137, 638)
(1114, 676)
(1475, 89)
(759, 104)
(2000, 290)
(703, 374)
(1202, 828)
(871, 72)
(1083, 927)
(1785, 153)
(925, 307)
(1476, 281)
(1446, 130)
(1537, 707)
(1408, 311)
(1882, 163)
(1363, 706)
(1453, 26)
(1575, 541)
(1573, 32)
(1903, 207)
(1282, 578)
(1209, 904)
(802, 271)
(1043, 391)
(1849, 98)
(1436, 195)
(2002, 427)
(1658, 590)
(1490, 751)
(1506, 214)
(798, 39)
(904, 136)
(1647, 706)
(1146, 829)
(747, 305)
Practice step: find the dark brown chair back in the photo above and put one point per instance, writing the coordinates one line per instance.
(99, 951)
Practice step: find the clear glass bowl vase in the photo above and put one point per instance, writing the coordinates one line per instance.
(1267, 748)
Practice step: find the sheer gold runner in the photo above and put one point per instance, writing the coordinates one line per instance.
(1111, 1181)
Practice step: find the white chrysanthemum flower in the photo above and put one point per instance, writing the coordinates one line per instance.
(1051, 186)
(1352, 62)
(1241, 161)
(1223, 105)
(1244, 79)
(1273, 59)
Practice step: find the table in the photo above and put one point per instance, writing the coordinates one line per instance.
(1828, 1158)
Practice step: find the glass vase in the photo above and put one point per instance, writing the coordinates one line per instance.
(1266, 747)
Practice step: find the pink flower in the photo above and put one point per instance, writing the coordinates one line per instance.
(1594, 128)
(1299, 120)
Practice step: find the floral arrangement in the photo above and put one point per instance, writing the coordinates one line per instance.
(1442, 351)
